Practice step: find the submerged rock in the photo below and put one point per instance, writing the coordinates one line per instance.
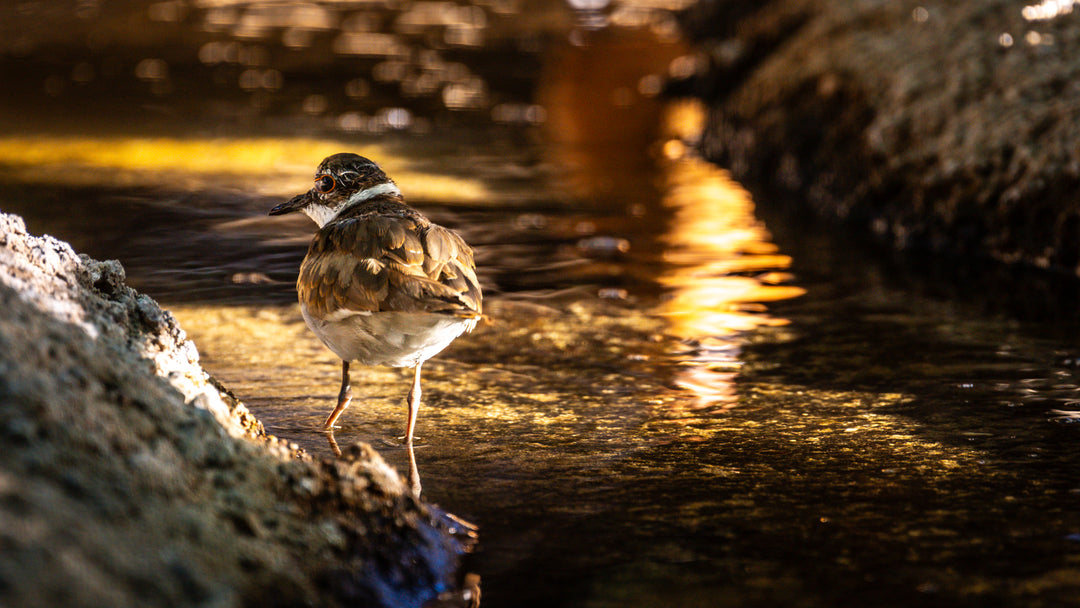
(130, 478)
(949, 126)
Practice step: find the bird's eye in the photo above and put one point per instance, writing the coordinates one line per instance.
(325, 184)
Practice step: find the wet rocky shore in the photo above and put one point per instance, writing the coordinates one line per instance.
(132, 478)
(949, 127)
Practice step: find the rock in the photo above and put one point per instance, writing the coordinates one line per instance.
(944, 126)
(131, 478)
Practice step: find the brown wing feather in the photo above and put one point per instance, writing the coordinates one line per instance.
(389, 262)
(449, 261)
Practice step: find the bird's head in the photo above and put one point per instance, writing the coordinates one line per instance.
(341, 181)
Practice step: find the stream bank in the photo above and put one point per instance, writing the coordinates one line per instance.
(948, 127)
(132, 478)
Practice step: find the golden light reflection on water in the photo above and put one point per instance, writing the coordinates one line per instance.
(270, 360)
(263, 165)
(721, 266)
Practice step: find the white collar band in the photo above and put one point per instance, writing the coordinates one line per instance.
(323, 215)
(370, 193)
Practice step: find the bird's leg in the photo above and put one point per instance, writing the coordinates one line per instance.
(343, 399)
(414, 405)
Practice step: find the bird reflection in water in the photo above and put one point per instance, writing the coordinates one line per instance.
(414, 472)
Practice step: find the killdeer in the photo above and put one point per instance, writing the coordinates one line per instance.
(381, 284)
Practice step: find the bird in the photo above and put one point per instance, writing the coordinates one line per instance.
(381, 284)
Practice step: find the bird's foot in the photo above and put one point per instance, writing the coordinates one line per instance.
(399, 442)
(414, 444)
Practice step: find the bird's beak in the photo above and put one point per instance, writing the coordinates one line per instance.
(295, 203)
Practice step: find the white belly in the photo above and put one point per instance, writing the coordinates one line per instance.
(397, 339)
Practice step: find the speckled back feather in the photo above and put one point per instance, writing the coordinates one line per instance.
(385, 256)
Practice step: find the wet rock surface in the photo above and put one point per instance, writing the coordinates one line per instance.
(131, 478)
(941, 126)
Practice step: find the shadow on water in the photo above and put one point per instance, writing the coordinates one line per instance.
(676, 402)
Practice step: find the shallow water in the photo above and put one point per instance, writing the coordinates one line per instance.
(681, 398)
